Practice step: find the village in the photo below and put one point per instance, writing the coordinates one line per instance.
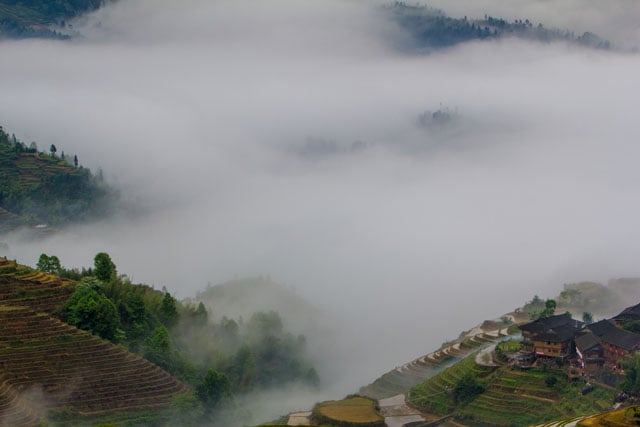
(593, 349)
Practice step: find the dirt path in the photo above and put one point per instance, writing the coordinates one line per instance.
(299, 419)
(485, 356)
(397, 413)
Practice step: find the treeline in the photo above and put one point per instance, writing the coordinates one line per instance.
(49, 187)
(218, 359)
(433, 29)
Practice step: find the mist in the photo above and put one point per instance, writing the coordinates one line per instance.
(283, 138)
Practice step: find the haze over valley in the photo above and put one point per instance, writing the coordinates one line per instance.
(406, 195)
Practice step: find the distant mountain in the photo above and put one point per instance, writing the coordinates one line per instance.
(432, 29)
(41, 18)
(38, 188)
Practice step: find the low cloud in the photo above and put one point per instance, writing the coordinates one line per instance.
(201, 112)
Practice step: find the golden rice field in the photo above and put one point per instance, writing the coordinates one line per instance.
(618, 418)
(355, 410)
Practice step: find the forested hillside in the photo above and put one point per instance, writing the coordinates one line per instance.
(51, 188)
(40, 18)
(432, 29)
(218, 360)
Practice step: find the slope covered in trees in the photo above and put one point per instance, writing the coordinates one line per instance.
(52, 188)
(432, 29)
(46, 364)
(214, 361)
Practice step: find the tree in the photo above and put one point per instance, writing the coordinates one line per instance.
(587, 317)
(214, 387)
(49, 264)
(75, 160)
(168, 310)
(103, 268)
(201, 314)
(136, 316)
(548, 311)
(91, 310)
(53, 150)
(243, 369)
(467, 388)
(631, 381)
(157, 347)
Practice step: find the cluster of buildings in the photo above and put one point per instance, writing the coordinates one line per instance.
(594, 346)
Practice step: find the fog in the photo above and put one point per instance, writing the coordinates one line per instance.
(283, 138)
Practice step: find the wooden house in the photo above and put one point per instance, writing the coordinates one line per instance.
(552, 336)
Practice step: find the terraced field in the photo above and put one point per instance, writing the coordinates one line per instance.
(401, 379)
(618, 418)
(511, 398)
(47, 364)
(353, 411)
(31, 168)
(435, 395)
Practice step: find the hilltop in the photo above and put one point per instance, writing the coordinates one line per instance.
(46, 188)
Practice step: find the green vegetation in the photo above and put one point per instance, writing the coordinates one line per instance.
(43, 188)
(89, 309)
(631, 381)
(218, 359)
(436, 394)
(505, 348)
(49, 264)
(81, 371)
(538, 309)
(479, 395)
(40, 18)
(350, 412)
(433, 29)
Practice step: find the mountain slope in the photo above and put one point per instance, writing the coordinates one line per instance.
(432, 29)
(401, 379)
(46, 364)
(46, 188)
(504, 396)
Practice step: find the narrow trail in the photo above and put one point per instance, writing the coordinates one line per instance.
(485, 356)
(397, 413)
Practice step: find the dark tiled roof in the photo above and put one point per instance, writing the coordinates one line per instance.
(629, 313)
(552, 322)
(559, 334)
(621, 338)
(587, 341)
(601, 328)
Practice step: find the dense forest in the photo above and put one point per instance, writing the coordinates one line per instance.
(219, 359)
(40, 18)
(432, 29)
(50, 188)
